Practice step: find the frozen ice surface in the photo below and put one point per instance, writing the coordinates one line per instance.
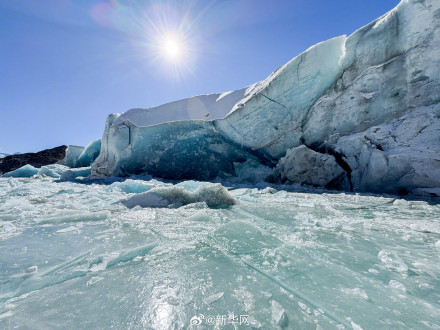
(73, 257)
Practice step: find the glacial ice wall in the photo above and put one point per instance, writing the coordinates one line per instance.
(270, 118)
(382, 113)
(369, 102)
(77, 156)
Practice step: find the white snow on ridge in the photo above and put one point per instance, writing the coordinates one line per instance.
(202, 107)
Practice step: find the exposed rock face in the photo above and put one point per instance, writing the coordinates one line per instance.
(304, 165)
(370, 100)
(38, 159)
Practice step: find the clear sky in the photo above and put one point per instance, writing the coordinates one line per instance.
(66, 64)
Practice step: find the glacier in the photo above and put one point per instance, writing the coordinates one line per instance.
(282, 256)
(127, 232)
(368, 102)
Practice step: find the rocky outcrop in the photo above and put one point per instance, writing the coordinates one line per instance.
(38, 159)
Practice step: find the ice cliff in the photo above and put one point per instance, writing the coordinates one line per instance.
(359, 112)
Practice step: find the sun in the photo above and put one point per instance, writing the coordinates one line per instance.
(172, 49)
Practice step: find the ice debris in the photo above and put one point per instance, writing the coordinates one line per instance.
(25, 171)
(279, 315)
(212, 194)
(72, 154)
(89, 154)
(397, 285)
(32, 269)
(213, 298)
(392, 261)
(75, 173)
(75, 217)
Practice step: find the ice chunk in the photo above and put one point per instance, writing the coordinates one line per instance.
(149, 199)
(397, 285)
(209, 300)
(391, 260)
(25, 171)
(89, 154)
(279, 315)
(32, 269)
(77, 156)
(304, 165)
(75, 217)
(304, 308)
(53, 171)
(130, 186)
(212, 194)
(132, 254)
(75, 173)
(72, 154)
(68, 230)
(356, 292)
(356, 326)
(251, 171)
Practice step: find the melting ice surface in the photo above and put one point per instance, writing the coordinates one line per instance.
(72, 256)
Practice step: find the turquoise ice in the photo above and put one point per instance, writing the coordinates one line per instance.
(73, 255)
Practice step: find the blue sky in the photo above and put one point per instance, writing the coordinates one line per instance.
(66, 64)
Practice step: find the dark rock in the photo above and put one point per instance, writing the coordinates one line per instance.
(38, 159)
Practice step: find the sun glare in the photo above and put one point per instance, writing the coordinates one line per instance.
(164, 33)
(172, 49)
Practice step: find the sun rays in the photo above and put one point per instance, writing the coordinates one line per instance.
(162, 35)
